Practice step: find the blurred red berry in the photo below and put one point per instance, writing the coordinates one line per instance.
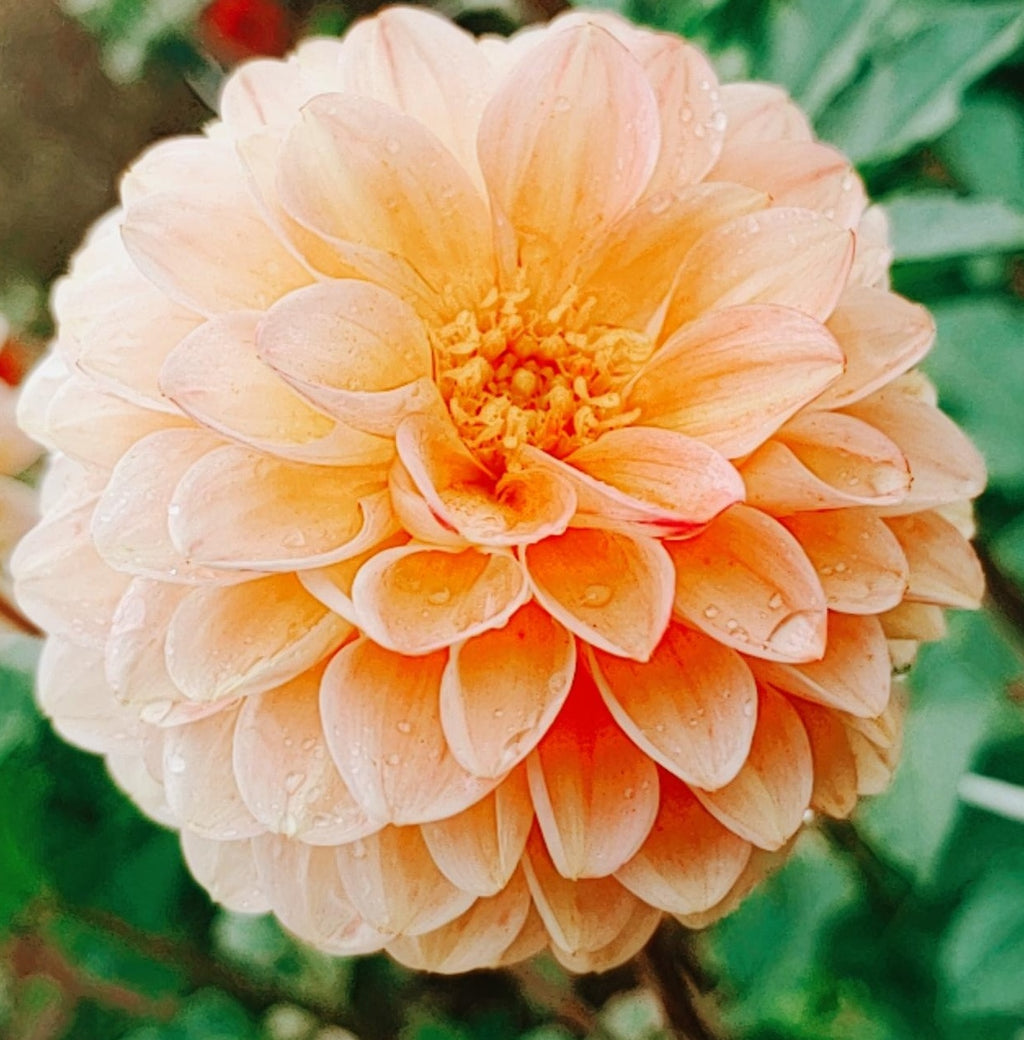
(237, 29)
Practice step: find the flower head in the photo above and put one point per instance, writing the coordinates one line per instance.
(490, 486)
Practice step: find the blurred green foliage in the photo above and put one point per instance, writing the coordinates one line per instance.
(910, 927)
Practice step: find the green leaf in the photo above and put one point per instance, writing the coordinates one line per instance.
(957, 704)
(912, 87)
(978, 366)
(983, 151)
(1008, 551)
(19, 717)
(814, 49)
(937, 225)
(634, 1016)
(206, 1015)
(982, 953)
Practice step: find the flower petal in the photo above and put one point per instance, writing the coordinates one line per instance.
(567, 145)
(631, 269)
(854, 675)
(860, 563)
(765, 804)
(421, 64)
(479, 849)
(689, 861)
(130, 525)
(583, 914)
(791, 257)
(306, 892)
(354, 350)
(611, 590)
(227, 870)
(199, 781)
(283, 770)
(416, 599)
(244, 639)
(826, 460)
(595, 792)
(210, 254)
(215, 376)
(762, 113)
(881, 335)
(502, 689)
(944, 465)
(474, 940)
(523, 506)
(835, 769)
(807, 174)
(691, 707)
(734, 376)
(678, 482)
(943, 567)
(355, 170)
(236, 508)
(394, 884)
(382, 722)
(747, 582)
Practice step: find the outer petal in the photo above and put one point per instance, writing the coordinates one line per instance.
(476, 939)
(689, 861)
(566, 145)
(854, 675)
(595, 793)
(199, 782)
(580, 915)
(58, 546)
(245, 639)
(357, 171)
(210, 254)
(944, 465)
(611, 590)
(835, 768)
(421, 64)
(808, 174)
(734, 376)
(762, 113)
(395, 885)
(236, 508)
(382, 723)
(523, 506)
(860, 563)
(227, 870)
(791, 257)
(502, 689)
(882, 335)
(765, 804)
(826, 460)
(130, 524)
(691, 707)
(416, 599)
(305, 889)
(215, 376)
(353, 349)
(283, 770)
(479, 849)
(746, 582)
(943, 566)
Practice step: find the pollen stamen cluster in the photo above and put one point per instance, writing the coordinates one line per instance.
(514, 375)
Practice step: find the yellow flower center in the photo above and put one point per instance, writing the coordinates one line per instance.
(513, 375)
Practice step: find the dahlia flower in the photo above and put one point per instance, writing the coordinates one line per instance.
(490, 487)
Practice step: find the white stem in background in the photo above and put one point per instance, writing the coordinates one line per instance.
(995, 796)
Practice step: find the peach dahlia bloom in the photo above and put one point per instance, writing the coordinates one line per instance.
(489, 487)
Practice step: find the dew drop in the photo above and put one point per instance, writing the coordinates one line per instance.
(775, 601)
(308, 744)
(439, 597)
(293, 781)
(700, 130)
(686, 114)
(359, 850)
(393, 759)
(294, 540)
(748, 709)
(597, 595)
(156, 711)
(176, 764)
(404, 727)
(732, 624)
(841, 567)
(711, 611)
(719, 121)
(629, 794)
(562, 103)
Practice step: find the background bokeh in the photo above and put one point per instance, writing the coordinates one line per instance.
(907, 924)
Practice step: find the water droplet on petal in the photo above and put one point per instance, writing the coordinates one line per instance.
(562, 103)
(775, 601)
(711, 611)
(176, 764)
(597, 595)
(439, 597)
(393, 759)
(404, 727)
(293, 781)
